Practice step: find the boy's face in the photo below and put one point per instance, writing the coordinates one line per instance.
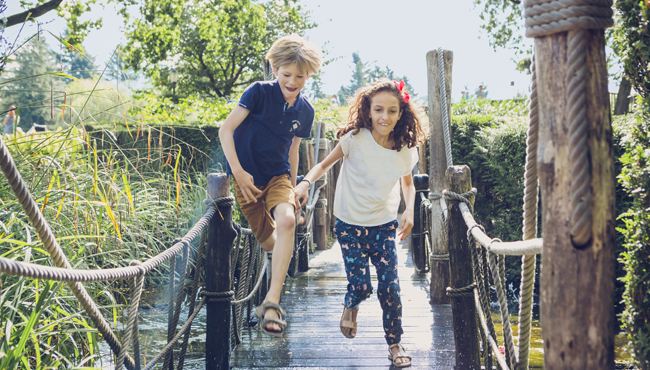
(291, 80)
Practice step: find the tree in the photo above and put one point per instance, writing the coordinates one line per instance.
(71, 11)
(36, 93)
(363, 74)
(216, 46)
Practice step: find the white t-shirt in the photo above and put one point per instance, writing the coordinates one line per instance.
(367, 191)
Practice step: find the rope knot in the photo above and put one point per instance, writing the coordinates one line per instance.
(138, 265)
(466, 291)
(546, 17)
(218, 296)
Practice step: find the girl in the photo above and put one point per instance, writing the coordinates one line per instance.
(378, 145)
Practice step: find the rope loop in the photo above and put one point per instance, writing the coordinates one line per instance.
(435, 196)
(466, 291)
(489, 247)
(218, 296)
(138, 264)
(450, 195)
(223, 201)
(439, 257)
(469, 231)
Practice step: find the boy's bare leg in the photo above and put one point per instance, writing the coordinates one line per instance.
(281, 243)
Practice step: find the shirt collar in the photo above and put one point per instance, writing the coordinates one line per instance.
(279, 98)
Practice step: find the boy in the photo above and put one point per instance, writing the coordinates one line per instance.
(261, 141)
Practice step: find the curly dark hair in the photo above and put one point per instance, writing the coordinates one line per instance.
(409, 130)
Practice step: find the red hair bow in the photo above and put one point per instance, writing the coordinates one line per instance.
(400, 88)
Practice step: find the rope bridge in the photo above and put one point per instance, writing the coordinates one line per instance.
(248, 290)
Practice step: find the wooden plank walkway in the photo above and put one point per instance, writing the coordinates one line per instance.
(312, 339)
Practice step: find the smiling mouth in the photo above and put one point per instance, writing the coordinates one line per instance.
(290, 89)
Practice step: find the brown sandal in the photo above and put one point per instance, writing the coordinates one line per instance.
(349, 321)
(259, 312)
(402, 354)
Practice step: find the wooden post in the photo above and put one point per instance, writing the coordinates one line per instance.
(321, 220)
(437, 166)
(217, 276)
(459, 180)
(577, 285)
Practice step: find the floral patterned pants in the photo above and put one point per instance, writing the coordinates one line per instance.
(377, 243)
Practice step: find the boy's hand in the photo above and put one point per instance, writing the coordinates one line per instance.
(247, 186)
(302, 193)
(407, 223)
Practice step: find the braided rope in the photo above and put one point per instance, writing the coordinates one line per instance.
(170, 310)
(450, 195)
(492, 341)
(182, 331)
(443, 101)
(136, 285)
(192, 297)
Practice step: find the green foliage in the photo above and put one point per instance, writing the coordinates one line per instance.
(490, 137)
(635, 179)
(32, 86)
(631, 42)
(105, 211)
(504, 24)
(215, 46)
(191, 110)
(364, 74)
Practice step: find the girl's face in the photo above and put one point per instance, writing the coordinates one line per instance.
(384, 112)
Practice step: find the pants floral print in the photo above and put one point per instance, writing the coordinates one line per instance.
(358, 243)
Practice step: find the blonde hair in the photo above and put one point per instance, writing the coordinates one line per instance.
(295, 49)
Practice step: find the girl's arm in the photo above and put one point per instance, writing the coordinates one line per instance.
(302, 189)
(294, 156)
(243, 178)
(409, 197)
(4, 123)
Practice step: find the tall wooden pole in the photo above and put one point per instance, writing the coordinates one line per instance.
(437, 166)
(577, 285)
(217, 276)
(459, 179)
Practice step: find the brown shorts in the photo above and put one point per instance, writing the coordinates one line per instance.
(259, 215)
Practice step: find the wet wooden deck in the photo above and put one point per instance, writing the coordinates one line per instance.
(312, 339)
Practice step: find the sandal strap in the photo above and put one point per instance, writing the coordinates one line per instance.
(349, 324)
(401, 348)
(261, 309)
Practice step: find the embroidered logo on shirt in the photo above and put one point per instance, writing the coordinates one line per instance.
(295, 124)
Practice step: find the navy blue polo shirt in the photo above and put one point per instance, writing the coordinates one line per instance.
(263, 139)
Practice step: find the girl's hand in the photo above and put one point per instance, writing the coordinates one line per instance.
(407, 223)
(246, 184)
(302, 193)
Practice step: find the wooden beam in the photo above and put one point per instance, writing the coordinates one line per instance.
(459, 179)
(437, 167)
(577, 285)
(221, 235)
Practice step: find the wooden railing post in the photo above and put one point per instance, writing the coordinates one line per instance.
(459, 179)
(217, 276)
(321, 217)
(437, 166)
(577, 285)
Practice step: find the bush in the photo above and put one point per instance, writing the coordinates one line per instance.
(635, 179)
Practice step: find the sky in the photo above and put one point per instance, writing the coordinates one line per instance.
(397, 34)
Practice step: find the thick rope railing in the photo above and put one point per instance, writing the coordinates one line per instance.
(544, 18)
